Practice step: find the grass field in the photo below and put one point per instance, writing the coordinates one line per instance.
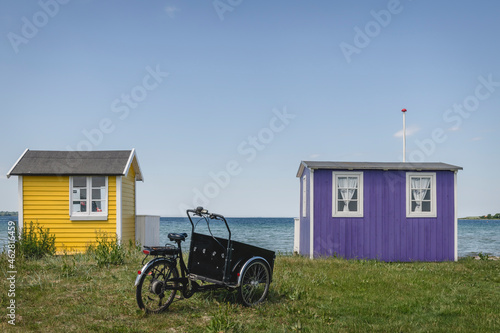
(71, 293)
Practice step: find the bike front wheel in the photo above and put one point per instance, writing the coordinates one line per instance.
(255, 282)
(156, 290)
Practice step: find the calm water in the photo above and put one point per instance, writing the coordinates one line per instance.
(276, 234)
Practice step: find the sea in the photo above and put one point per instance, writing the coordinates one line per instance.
(474, 236)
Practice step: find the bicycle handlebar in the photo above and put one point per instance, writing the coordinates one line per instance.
(200, 211)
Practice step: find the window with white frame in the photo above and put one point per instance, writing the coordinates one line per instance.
(304, 196)
(421, 194)
(347, 194)
(89, 197)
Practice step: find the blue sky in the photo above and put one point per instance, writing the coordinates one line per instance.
(223, 99)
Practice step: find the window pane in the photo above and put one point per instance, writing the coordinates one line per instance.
(413, 206)
(79, 181)
(96, 206)
(427, 195)
(426, 206)
(355, 195)
(342, 182)
(97, 194)
(353, 206)
(83, 193)
(98, 181)
(340, 206)
(79, 207)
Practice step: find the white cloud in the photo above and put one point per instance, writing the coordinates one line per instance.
(477, 138)
(170, 10)
(413, 129)
(314, 156)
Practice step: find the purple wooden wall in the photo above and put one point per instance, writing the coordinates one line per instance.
(384, 233)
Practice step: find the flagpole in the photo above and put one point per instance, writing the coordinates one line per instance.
(404, 134)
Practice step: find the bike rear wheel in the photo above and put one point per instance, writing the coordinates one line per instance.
(156, 290)
(255, 282)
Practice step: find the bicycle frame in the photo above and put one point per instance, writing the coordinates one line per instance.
(228, 250)
(184, 280)
(216, 262)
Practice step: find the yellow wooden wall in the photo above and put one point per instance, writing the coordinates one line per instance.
(46, 201)
(128, 206)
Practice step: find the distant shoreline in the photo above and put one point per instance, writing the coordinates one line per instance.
(5, 213)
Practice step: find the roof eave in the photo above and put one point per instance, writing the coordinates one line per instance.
(301, 169)
(133, 159)
(15, 164)
(377, 166)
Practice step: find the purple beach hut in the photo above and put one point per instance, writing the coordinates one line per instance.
(383, 211)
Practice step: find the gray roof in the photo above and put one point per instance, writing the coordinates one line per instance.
(426, 166)
(48, 162)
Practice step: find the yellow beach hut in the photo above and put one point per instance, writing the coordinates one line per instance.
(78, 194)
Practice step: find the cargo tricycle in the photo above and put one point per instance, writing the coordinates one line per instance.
(213, 263)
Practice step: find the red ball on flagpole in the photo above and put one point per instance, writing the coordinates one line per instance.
(404, 110)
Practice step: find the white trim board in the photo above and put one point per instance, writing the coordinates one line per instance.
(119, 208)
(129, 162)
(311, 214)
(133, 160)
(304, 196)
(20, 214)
(8, 173)
(455, 231)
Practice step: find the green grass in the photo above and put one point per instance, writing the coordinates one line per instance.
(72, 293)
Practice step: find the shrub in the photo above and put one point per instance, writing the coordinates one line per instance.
(34, 242)
(107, 251)
(483, 256)
(134, 247)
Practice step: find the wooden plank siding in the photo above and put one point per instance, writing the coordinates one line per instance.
(384, 232)
(128, 206)
(46, 201)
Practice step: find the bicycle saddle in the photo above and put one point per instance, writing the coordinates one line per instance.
(174, 236)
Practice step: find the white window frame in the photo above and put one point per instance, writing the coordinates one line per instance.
(88, 215)
(335, 176)
(433, 201)
(304, 196)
